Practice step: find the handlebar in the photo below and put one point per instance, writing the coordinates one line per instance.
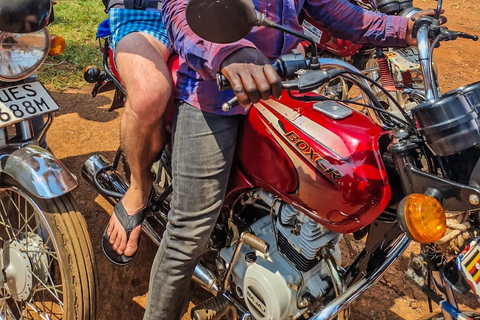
(287, 67)
(307, 82)
(425, 29)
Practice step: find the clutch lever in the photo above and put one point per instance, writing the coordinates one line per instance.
(305, 83)
(286, 85)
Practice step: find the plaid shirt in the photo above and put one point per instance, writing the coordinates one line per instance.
(200, 60)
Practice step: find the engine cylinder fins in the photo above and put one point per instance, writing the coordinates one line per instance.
(309, 233)
(301, 263)
(214, 309)
(255, 242)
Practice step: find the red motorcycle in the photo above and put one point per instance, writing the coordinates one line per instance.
(309, 169)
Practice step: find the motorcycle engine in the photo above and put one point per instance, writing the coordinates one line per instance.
(276, 286)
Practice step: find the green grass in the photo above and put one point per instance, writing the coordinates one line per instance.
(76, 21)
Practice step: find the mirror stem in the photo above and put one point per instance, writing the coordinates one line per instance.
(439, 8)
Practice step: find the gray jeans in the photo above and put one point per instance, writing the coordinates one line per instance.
(203, 149)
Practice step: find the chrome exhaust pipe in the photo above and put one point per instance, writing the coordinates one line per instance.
(103, 177)
(205, 278)
(350, 294)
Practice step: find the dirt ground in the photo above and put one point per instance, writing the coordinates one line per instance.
(83, 127)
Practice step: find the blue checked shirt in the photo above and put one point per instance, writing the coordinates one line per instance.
(200, 60)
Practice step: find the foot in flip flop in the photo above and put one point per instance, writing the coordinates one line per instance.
(122, 235)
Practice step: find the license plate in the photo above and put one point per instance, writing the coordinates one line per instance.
(24, 101)
(405, 59)
(468, 262)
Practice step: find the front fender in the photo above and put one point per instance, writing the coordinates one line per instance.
(38, 171)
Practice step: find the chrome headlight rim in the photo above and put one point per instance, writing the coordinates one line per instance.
(34, 67)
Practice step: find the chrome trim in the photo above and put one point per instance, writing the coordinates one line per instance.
(425, 63)
(338, 282)
(92, 165)
(444, 290)
(26, 129)
(151, 233)
(205, 278)
(47, 125)
(341, 302)
(38, 171)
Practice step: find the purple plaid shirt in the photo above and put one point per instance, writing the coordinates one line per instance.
(200, 60)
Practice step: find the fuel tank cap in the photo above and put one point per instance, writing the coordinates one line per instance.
(333, 110)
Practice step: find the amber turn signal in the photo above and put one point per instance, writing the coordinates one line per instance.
(57, 45)
(422, 217)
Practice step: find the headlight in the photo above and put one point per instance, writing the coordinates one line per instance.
(422, 218)
(22, 53)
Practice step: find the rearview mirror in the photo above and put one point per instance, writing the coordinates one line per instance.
(222, 21)
(22, 16)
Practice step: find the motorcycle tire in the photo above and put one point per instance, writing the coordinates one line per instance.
(47, 258)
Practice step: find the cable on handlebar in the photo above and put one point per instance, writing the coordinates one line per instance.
(389, 96)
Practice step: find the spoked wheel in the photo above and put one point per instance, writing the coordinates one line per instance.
(46, 259)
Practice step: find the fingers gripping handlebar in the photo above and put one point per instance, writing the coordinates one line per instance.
(306, 82)
(287, 67)
(436, 30)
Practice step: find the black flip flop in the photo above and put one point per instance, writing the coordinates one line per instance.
(128, 222)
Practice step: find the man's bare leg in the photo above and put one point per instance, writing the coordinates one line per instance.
(141, 62)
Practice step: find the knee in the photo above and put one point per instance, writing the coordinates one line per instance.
(148, 103)
(190, 243)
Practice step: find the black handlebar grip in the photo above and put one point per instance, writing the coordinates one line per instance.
(222, 82)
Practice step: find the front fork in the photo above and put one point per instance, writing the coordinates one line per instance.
(405, 154)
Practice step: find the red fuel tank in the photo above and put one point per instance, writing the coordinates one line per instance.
(322, 158)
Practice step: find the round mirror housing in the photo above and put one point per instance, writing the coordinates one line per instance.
(221, 21)
(22, 16)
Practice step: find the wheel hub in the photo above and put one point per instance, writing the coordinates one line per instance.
(24, 264)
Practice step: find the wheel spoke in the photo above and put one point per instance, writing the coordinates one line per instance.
(55, 287)
(26, 219)
(9, 226)
(47, 288)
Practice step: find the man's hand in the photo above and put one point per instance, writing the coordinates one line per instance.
(431, 12)
(251, 76)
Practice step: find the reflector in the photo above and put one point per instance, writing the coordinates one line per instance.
(423, 218)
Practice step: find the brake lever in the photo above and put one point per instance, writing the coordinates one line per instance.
(448, 35)
(467, 36)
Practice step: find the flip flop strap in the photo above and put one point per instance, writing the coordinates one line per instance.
(129, 222)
